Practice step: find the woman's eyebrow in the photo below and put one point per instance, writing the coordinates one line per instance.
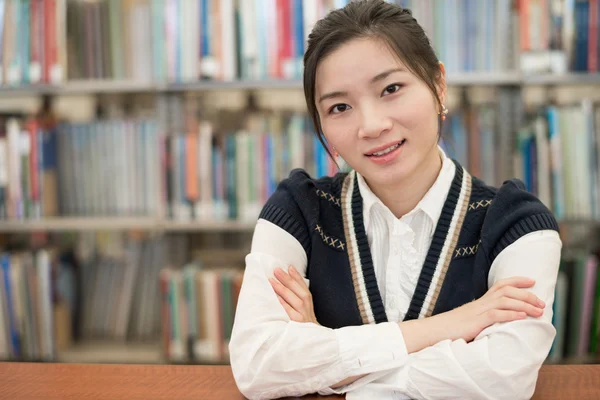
(332, 95)
(385, 74)
(376, 78)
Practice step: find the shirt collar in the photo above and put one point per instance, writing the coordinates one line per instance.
(431, 204)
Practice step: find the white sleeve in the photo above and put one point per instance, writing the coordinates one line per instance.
(504, 359)
(273, 357)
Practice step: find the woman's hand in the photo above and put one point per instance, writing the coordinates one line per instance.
(293, 294)
(506, 301)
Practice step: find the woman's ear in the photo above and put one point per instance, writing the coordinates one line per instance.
(441, 84)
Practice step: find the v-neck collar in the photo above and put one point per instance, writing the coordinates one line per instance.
(439, 255)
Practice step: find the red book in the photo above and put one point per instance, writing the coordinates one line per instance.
(165, 312)
(286, 38)
(593, 37)
(32, 129)
(36, 41)
(279, 6)
(50, 45)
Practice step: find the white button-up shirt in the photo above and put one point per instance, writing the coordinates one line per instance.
(272, 356)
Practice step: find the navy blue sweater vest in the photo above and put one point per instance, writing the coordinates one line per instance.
(476, 223)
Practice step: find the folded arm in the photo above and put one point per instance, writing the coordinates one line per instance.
(272, 356)
(504, 359)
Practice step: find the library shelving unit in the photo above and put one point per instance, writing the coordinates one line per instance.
(112, 351)
(58, 224)
(122, 48)
(90, 87)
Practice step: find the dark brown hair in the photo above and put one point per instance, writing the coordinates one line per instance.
(374, 19)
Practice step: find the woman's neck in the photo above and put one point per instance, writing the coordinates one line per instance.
(405, 196)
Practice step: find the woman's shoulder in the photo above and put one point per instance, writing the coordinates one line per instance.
(511, 213)
(301, 187)
(295, 204)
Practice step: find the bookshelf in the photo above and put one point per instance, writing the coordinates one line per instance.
(92, 87)
(107, 352)
(119, 50)
(81, 224)
(59, 224)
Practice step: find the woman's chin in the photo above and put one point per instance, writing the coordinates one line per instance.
(386, 177)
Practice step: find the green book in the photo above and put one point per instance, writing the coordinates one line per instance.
(595, 331)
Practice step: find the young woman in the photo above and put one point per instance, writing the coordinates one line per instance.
(406, 277)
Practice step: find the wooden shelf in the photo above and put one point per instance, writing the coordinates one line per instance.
(118, 86)
(113, 353)
(110, 352)
(484, 78)
(235, 85)
(148, 223)
(208, 226)
(125, 86)
(123, 223)
(571, 78)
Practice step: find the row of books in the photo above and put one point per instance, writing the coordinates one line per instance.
(198, 309)
(121, 167)
(26, 306)
(577, 308)
(117, 285)
(33, 41)
(134, 287)
(28, 166)
(470, 35)
(557, 155)
(183, 41)
(471, 137)
(556, 36)
(131, 167)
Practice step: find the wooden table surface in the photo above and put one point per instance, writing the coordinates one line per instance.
(105, 381)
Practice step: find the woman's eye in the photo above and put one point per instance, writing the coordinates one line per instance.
(339, 108)
(392, 88)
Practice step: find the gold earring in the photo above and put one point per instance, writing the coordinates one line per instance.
(444, 112)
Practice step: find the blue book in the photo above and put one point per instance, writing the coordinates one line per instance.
(582, 16)
(205, 27)
(298, 36)
(230, 160)
(12, 323)
(556, 167)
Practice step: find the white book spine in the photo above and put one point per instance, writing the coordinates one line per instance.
(44, 270)
(228, 61)
(193, 35)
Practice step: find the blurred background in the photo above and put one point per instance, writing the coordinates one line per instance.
(140, 138)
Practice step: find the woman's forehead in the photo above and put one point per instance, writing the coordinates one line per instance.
(358, 61)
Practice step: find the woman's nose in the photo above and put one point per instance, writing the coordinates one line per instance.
(373, 124)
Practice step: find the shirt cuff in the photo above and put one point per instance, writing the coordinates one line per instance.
(367, 349)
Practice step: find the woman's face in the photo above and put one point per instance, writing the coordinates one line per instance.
(380, 118)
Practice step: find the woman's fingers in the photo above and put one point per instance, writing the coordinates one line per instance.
(293, 314)
(520, 294)
(297, 286)
(494, 316)
(288, 295)
(515, 281)
(297, 277)
(507, 303)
